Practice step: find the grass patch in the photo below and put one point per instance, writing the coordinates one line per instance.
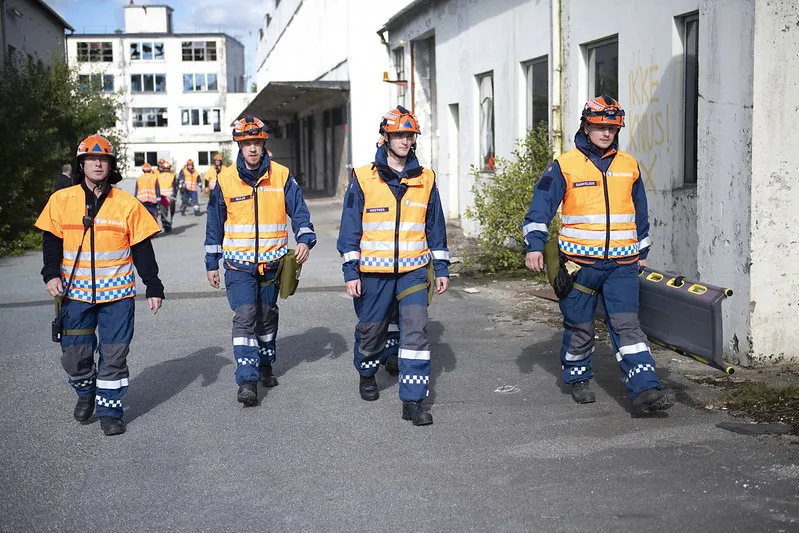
(762, 402)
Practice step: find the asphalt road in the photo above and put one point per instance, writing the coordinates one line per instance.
(509, 450)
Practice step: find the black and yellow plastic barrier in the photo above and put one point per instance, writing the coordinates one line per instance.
(682, 315)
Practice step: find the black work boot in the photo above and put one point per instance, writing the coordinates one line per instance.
(248, 394)
(581, 393)
(416, 413)
(84, 408)
(111, 425)
(392, 365)
(368, 388)
(266, 377)
(652, 400)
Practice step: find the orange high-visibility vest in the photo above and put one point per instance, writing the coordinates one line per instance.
(191, 179)
(211, 176)
(256, 216)
(145, 188)
(589, 228)
(104, 272)
(166, 180)
(394, 238)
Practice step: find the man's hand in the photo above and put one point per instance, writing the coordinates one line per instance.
(213, 278)
(354, 288)
(154, 304)
(534, 261)
(55, 287)
(643, 263)
(442, 284)
(301, 253)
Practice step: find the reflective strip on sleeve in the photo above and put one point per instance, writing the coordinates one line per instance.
(440, 254)
(213, 249)
(351, 256)
(646, 242)
(534, 226)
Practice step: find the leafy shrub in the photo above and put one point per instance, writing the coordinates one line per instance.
(501, 200)
(45, 114)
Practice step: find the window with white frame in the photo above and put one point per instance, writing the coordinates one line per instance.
(200, 83)
(603, 68)
(485, 89)
(140, 158)
(399, 69)
(149, 117)
(536, 75)
(148, 83)
(205, 157)
(194, 116)
(147, 51)
(690, 34)
(95, 52)
(198, 50)
(96, 82)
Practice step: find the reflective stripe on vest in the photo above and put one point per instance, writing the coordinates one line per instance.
(190, 179)
(392, 242)
(166, 180)
(587, 229)
(246, 229)
(145, 188)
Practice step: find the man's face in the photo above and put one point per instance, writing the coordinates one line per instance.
(401, 143)
(601, 135)
(252, 150)
(96, 167)
(190, 166)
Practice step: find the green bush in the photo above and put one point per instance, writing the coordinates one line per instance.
(501, 199)
(45, 114)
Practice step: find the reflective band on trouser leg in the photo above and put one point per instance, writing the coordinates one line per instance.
(374, 310)
(391, 347)
(77, 357)
(115, 327)
(414, 350)
(620, 293)
(266, 321)
(242, 288)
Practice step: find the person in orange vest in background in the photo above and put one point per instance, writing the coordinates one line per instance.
(247, 227)
(94, 234)
(189, 182)
(392, 228)
(603, 239)
(148, 191)
(169, 192)
(213, 173)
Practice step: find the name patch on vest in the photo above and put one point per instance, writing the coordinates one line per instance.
(585, 184)
(240, 198)
(621, 174)
(377, 210)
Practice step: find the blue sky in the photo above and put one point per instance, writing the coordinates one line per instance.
(105, 16)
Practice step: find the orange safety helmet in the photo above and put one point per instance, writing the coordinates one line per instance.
(147, 167)
(603, 110)
(249, 127)
(96, 145)
(399, 120)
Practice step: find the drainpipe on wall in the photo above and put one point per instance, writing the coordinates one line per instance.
(4, 51)
(557, 80)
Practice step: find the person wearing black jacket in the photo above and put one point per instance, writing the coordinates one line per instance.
(93, 236)
(64, 179)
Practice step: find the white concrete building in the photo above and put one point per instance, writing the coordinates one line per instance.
(30, 28)
(320, 66)
(710, 91)
(181, 91)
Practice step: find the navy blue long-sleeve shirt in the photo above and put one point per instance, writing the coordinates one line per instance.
(351, 229)
(551, 188)
(217, 213)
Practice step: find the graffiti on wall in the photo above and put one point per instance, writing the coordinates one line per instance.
(647, 119)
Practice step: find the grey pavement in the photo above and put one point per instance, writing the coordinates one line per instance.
(509, 450)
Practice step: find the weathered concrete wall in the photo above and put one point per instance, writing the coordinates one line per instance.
(774, 248)
(32, 31)
(726, 29)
